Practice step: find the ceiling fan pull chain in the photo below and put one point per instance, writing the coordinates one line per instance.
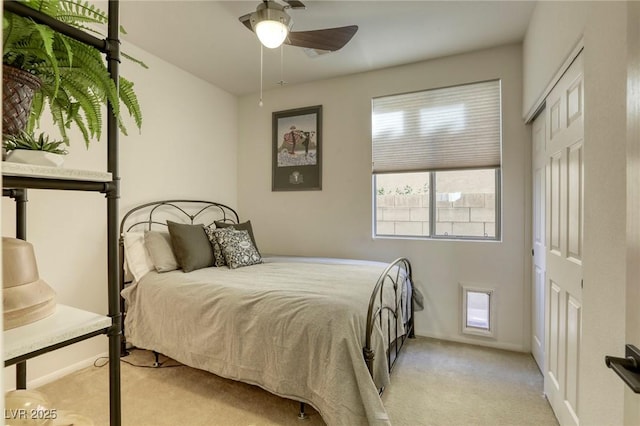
(282, 82)
(261, 66)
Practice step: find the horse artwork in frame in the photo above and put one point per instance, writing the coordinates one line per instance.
(297, 143)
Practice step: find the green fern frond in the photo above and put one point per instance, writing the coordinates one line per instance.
(49, 7)
(75, 82)
(59, 119)
(90, 68)
(80, 123)
(68, 49)
(58, 107)
(82, 11)
(37, 105)
(130, 100)
(46, 36)
(26, 43)
(31, 57)
(90, 104)
(14, 30)
(132, 59)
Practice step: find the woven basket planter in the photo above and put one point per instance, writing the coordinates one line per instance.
(18, 87)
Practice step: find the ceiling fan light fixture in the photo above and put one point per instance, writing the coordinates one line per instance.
(271, 24)
(271, 33)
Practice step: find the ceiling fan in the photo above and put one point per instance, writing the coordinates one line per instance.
(272, 25)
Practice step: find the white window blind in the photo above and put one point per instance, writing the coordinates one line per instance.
(440, 129)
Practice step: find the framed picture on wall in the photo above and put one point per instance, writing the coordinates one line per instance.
(297, 149)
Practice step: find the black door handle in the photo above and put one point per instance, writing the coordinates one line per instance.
(628, 368)
(629, 363)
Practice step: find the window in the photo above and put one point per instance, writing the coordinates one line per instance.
(436, 163)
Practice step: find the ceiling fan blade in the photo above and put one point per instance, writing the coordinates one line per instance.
(295, 4)
(331, 39)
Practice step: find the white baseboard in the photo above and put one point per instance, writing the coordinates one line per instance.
(48, 378)
(478, 342)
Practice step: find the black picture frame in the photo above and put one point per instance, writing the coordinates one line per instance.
(297, 149)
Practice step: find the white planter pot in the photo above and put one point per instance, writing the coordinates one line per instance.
(38, 158)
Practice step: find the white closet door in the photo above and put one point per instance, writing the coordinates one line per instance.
(564, 199)
(539, 239)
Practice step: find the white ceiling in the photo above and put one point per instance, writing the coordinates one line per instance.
(206, 39)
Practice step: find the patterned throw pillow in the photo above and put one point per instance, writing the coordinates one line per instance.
(237, 248)
(217, 250)
(246, 226)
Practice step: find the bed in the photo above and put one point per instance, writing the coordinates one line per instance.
(324, 332)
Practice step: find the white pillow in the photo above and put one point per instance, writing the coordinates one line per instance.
(136, 255)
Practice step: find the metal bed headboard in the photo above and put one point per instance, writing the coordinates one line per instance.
(197, 210)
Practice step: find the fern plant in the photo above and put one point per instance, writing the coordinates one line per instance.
(75, 81)
(29, 141)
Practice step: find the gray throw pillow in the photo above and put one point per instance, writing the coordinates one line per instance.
(158, 245)
(244, 226)
(191, 246)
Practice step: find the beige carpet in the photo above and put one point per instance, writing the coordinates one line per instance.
(444, 383)
(434, 383)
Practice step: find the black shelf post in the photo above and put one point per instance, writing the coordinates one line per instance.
(20, 196)
(113, 195)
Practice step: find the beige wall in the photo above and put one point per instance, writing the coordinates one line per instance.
(550, 37)
(187, 149)
(337, 221)
(544, 50)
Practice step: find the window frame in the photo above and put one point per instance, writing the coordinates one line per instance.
(433, 213)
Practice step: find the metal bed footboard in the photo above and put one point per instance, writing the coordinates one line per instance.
(397, 278)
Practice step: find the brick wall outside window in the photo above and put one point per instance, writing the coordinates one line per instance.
(473, 214)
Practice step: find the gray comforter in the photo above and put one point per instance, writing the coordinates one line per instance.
(295, 329)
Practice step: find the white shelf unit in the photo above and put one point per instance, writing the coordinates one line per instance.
(65, 326)
(70, 325)
(45, 172)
